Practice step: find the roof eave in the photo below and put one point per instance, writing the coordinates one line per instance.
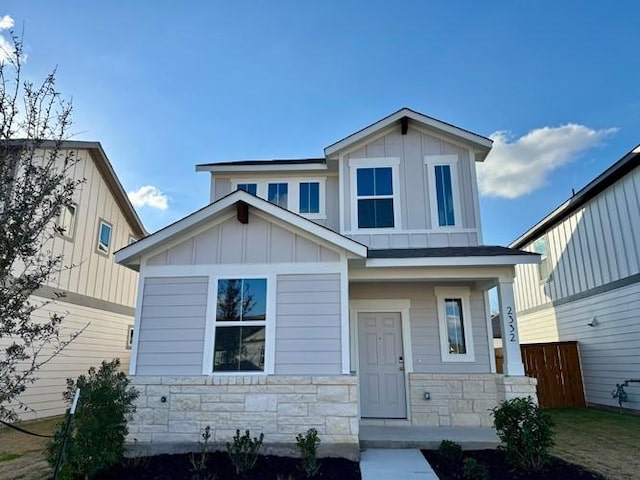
(470, 261)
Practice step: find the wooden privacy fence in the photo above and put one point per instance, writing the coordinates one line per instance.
(556, 365)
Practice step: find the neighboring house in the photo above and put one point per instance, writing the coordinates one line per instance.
(327, 292)
(587, 287)
(97, 292)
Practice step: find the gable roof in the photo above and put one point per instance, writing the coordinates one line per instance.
(607, 178)
(108, 174)
(130, 255)
(481, 144)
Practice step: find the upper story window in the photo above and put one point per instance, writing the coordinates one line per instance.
(541, 246)
(442, 175)
(374, 181)
(251, 188)
(240, 325)
(454, 319)
(104, 236)
(67, 221)
(277, 193)
(309, 197)
(302, 195)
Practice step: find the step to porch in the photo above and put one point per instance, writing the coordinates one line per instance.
(384, 436)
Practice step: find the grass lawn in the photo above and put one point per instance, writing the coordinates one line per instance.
(21, 455)
(602, 441)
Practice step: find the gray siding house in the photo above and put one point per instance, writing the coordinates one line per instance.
(329, 292)
(587, 287)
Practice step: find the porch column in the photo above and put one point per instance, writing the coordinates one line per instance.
(510, 342)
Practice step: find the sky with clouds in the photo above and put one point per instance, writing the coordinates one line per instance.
(164, 86)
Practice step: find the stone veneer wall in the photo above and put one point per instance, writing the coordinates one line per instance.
(462, 399)
(278, 406)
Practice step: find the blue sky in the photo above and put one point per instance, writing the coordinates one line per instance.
(165, 85)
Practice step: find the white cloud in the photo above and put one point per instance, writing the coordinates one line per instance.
(516, 167)
(149, 196)
(6, 22)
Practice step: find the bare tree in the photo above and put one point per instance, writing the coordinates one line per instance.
(35, 186)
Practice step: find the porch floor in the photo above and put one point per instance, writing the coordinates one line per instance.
(383, 436)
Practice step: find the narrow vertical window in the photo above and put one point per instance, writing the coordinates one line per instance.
(540, 246)
(277, 193)
(67, 221)
(374, 189)
(444, 193)
(455, 326)
(251, 188)
(309, 197)
(104, 236)
(454, 319)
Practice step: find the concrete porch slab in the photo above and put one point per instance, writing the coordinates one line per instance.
(383, 464)
(470, 438)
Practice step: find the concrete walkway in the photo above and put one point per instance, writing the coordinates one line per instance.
(385, 464)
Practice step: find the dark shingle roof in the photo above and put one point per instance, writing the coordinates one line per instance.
(275, 161)
(479, 251)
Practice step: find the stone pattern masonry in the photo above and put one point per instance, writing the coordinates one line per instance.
(278, 406)
(463, 399)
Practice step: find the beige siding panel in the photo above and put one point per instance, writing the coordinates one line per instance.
(172, 326)
(104, 338)
(308, 325)
(232, 242)
(425, 337)
(538, 327)
(594, 246)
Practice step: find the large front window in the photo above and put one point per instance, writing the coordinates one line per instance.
(240, 325)
(374, 188)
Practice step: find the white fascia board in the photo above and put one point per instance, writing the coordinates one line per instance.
(262, 168)
(130, 255)
(453, 261)
(477, 140)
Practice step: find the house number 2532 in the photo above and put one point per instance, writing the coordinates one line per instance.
(512, 328)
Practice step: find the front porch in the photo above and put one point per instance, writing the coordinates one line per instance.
(385, 436)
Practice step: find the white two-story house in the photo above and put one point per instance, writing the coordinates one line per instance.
(328, 293)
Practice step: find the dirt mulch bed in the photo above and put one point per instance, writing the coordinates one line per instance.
(499, 469)
(176, 467)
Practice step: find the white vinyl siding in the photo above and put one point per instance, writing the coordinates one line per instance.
(172, 326)
(308, 334)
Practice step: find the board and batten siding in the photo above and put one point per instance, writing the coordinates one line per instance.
(425, 336)
(610, 351)
(414, 199)
(94, 274)
(308, 334)
(595, 246)
(172, 326)
(104, 338)
(258, 242)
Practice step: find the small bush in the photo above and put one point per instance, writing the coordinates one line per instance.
(244, 450)
(525, 431)
(199, 460)
(450, 451)
(308, 446)
(96, 436)
(473, 470)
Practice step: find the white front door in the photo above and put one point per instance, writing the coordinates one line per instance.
(381, 366)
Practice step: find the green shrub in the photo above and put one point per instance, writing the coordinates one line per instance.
(244, 450)
(199, 460)
(473, 470)
(308, 446)
(525, 431)
(96, 436)
(450, 451)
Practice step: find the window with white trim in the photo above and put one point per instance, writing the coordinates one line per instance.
(67, 221)
(251, 188)
(541, 246)
(240, 325)
(454, 322)
(130, 330)
(104, 236)
(442, 175)
(309, 197)
(277, 193)
(375, 188)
